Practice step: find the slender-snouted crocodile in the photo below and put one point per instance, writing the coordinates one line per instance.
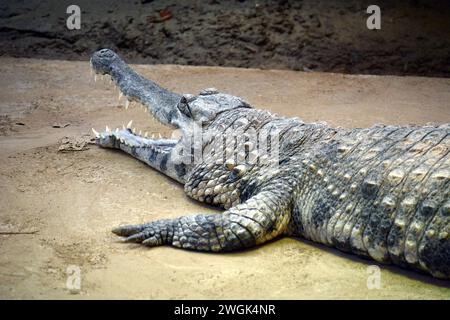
(381, 192)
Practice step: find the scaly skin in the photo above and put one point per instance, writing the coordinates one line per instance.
(381, 192)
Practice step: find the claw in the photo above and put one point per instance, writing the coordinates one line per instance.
(141, 236)
(128, 230)
(136, 238)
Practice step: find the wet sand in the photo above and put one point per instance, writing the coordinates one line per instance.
(318, 35)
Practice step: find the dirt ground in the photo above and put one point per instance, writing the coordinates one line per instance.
(64, 204)
(319, 35)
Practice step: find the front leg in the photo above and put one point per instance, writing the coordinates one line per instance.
(259, 219)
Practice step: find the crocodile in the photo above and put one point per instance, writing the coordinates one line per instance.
(381, 192)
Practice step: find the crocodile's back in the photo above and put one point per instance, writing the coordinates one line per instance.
(382, 192)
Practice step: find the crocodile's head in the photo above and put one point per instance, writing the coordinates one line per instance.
(186, 112)
(179, 111)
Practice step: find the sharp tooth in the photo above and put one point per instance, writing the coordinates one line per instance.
(129, 124)
(146, 134)
(95, 78)
(159, 135)
(121, 140)
(117, 130)
(153, 136)
(120, 94)
(140, 132)
(96, 133)
(127, 104)
(133, 130)
(107, 129)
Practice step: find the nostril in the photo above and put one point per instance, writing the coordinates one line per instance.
(103, 50)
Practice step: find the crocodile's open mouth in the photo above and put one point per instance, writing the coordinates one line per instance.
(134, 90)
(127, 133)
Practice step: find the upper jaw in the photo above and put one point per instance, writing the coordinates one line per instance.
(159, 102)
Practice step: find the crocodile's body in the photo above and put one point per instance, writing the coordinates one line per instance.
(382, 192)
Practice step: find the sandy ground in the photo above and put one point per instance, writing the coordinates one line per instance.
(69, 201)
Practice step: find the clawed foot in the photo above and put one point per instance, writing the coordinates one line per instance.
(149, 234)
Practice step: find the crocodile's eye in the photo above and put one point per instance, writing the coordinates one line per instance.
(184, 109)
(183, 106)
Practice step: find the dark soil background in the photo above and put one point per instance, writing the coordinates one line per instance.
(300, 35)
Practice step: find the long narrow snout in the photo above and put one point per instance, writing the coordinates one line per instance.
(161, 103)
